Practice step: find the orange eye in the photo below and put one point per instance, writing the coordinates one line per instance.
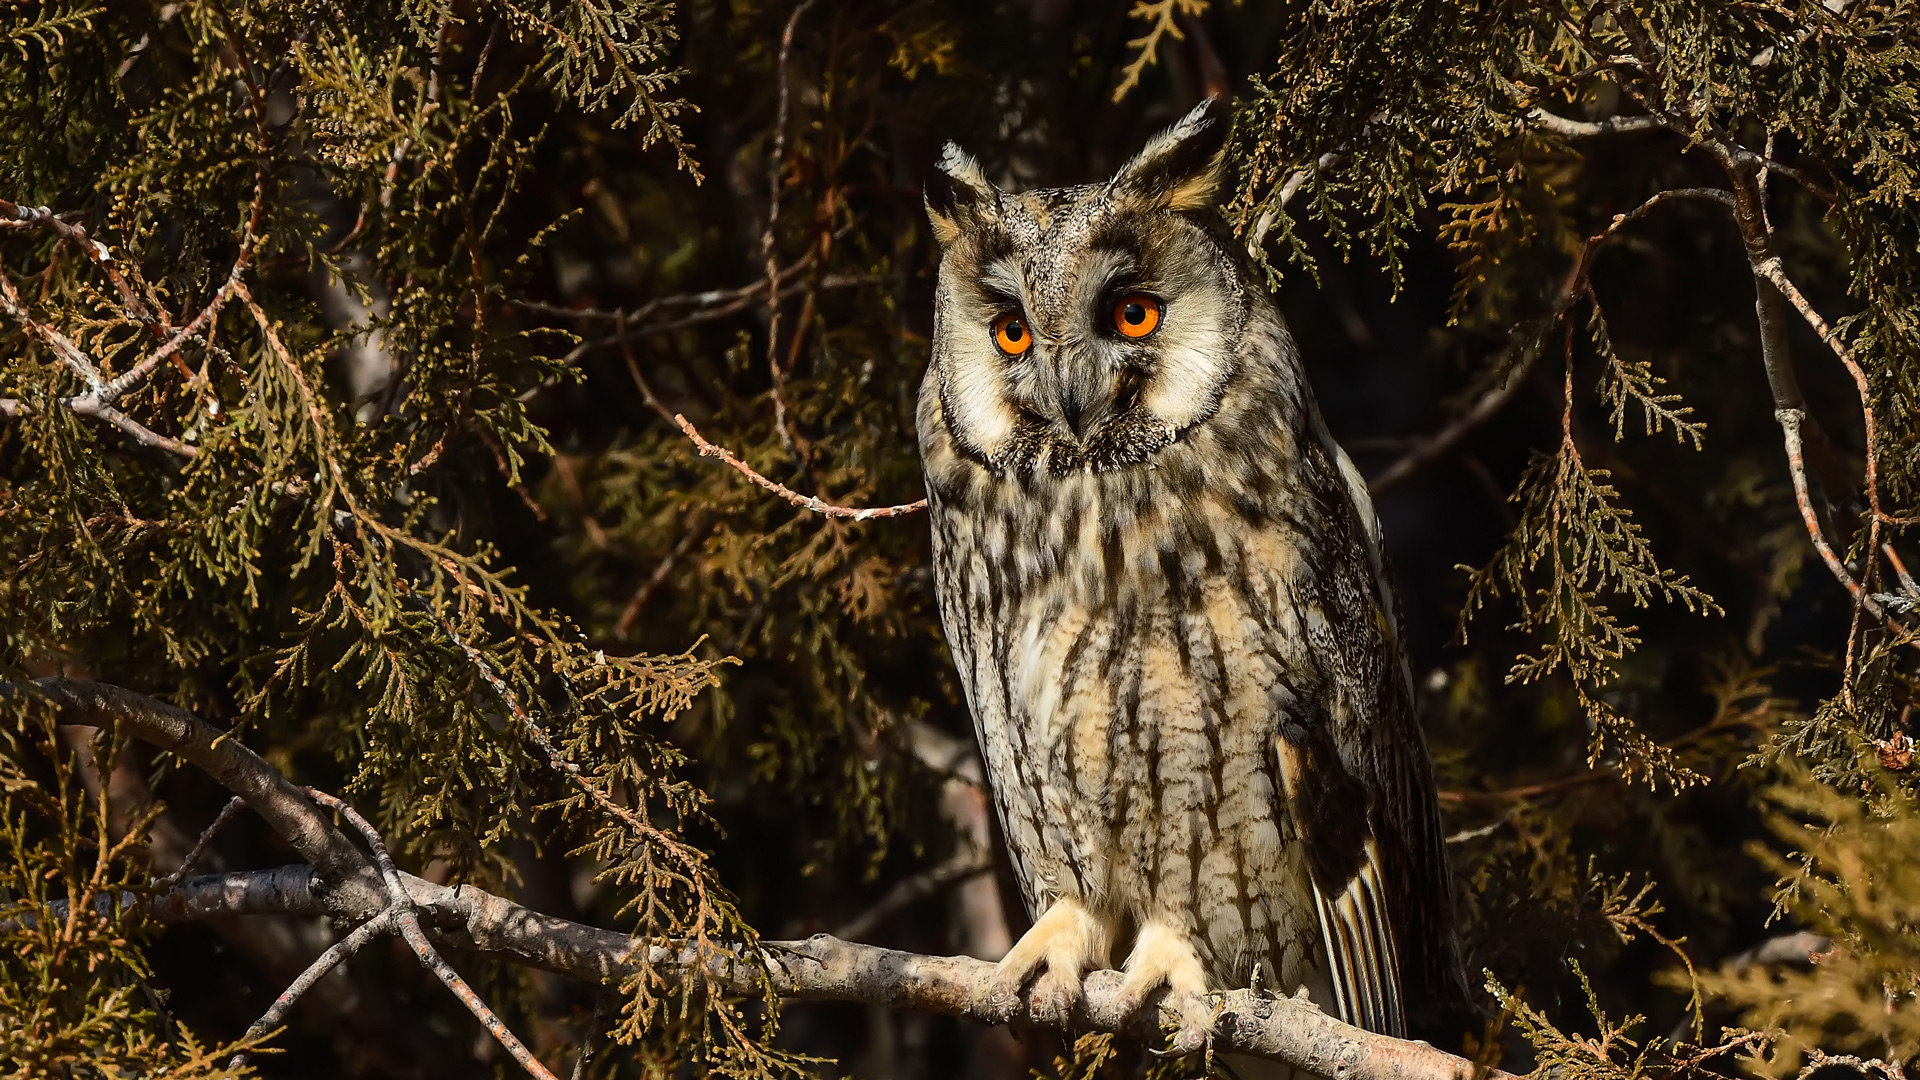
(1011, 334)
(1136, 315)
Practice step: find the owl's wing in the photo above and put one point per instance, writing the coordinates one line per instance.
(1358, 784)
(1349, 887)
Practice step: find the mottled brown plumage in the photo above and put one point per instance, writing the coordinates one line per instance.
(1163, 585)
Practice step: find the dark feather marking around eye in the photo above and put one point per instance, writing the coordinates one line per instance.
(1127, 394)
(995, 244)
(1120, 236)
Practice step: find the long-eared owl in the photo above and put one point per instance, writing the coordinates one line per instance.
(1164, 586)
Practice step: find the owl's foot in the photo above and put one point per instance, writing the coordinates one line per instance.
(1162, 956)
(1064, 942)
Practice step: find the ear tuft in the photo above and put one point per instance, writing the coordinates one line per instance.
(958, 194)
(1183, 167)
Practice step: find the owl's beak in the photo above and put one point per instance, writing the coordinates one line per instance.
(1085, 393)
(1073, 409)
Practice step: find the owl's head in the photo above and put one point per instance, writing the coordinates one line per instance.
(1085, 328)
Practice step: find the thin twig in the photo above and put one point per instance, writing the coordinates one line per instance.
(403, 913)
(637, 317)
(1790, 420)
(1771, 269)
(631, 613)
(911, 890)
(199, 849)
(742, 299)
(633, 369)
(596, 1029)
(1490, 404)
(341, 950)
(1900, 571)
(805, 502)
(776, 167)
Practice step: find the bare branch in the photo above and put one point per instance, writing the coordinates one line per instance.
(89, 405)
(1291, 1030)
(194, 332)
(193, 855)
(1769, 268)
(776, 165)
(638, 316)
(92, 405)
(155, 319)
(1790, 421)
(804, 502)
(97, 401)
(62, 346)
(347, 879)
(96, 252)
(401, 911)
(730, 302)
(915, 888)
(631, 613)
(382, 923)
(1907, 584)
(1587, 129)
(825, 968)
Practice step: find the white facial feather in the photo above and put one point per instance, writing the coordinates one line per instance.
(1193, 358)
(973, 371)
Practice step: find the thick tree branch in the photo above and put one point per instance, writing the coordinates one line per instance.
(1587, 129)
(824, 968)
(821, 968)
(348, 878)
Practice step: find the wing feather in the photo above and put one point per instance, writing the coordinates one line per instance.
(1349, 888)
(1361, 951)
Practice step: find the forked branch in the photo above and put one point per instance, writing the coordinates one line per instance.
(341, 884)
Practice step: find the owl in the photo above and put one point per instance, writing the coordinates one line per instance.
(1164, 587)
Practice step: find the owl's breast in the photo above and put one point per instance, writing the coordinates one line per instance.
(1126, 689)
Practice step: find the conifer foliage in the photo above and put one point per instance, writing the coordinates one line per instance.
(498, 417)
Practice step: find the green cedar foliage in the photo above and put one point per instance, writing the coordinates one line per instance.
(396, 304)
(1436, 124)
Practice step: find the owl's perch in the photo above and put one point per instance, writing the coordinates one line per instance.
(341, 883)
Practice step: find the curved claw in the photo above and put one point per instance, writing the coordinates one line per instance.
(1196, 1027)
(1162, 956)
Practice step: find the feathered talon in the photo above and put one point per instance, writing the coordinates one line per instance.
(1062, 943)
